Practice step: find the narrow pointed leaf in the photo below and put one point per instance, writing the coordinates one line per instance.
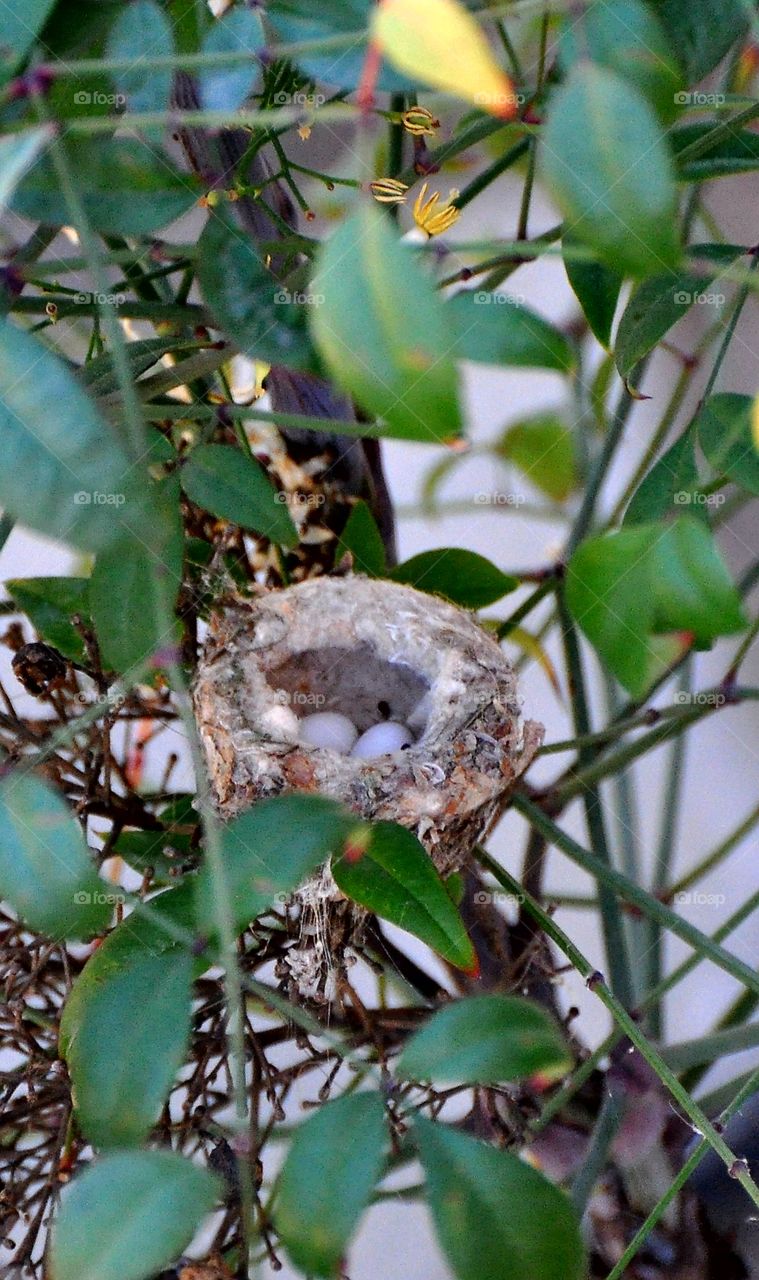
(395, 878)
(233, 485)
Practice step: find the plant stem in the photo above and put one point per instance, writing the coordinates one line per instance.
(627, 1025)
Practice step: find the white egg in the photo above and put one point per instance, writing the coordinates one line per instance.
(328, 729)
(382, 739)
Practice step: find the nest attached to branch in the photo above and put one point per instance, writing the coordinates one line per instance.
(364, 648)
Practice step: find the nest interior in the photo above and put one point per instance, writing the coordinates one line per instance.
(354, 681)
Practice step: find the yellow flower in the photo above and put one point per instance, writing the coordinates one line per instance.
(418, 121)
(388, 190)
(304, 132)
(429, 217)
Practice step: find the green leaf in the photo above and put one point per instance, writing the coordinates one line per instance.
(626, 587)
(543, 449)
(78, 482)
(232, 485)
(701, 31)
(141, 30)
(486, 1040)
(737, 153)
(497, 1218)
(46, 873)
(462, 576)
(657, 304)
(331, 1169)
(626, 37)
(17, 153)
(671, 484)
(301, 20)
(19, 27)
(100, 378)
(50, 604)
(270, 850)
(134, 587)
(127, 188)
(496, 329)
(610, 171)
(128, 1045)
(362, 539)
(383, 331)
(724, 433)
(596, 288)
(395, 878)
(247, 303)
(226, 88)
(129, 1215)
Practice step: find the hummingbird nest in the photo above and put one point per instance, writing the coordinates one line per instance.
(370, 651)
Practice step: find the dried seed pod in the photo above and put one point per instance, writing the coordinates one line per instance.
(347, 645)
(40, 668)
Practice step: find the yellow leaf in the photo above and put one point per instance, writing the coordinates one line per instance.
(530, 645)
(439, 43)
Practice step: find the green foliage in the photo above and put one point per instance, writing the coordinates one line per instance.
(129, 1215)
(126, 188)
(232, 485)
(327, 1180)
(46, 873)
(142, 29)
(628, 587)
(495, 329)
(461, 576)
(390, 874)
(383, 332)
(269, 851)
(610, 172)
(127, 1043)
(259, 317)
(496, 1216)
(50, 604)
(134, 276)
(487, 1040)
(724, 433)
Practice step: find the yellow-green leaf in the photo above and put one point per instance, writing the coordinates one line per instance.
(439, 43)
